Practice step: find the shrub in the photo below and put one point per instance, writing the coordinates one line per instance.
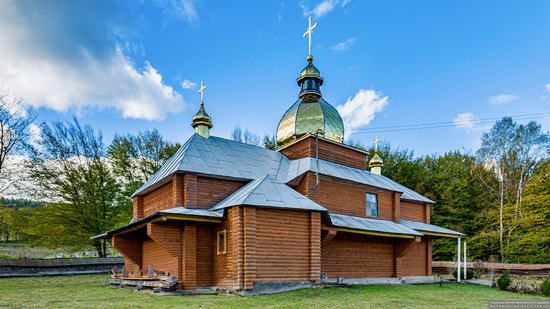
(545, 287)
(504, 281)
(470, 274)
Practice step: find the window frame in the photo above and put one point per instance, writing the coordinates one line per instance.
(368, 213)
(218, 234)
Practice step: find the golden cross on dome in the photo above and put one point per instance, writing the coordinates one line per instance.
(376, 143)
(309, 32)
(201, 91)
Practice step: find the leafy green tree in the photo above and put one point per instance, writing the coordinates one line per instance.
(510, 152)
(74, 175)
(135, 158)
(270, 142)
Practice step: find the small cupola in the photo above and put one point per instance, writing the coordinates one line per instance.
(202, 122)
(376, 162)
(310, 80)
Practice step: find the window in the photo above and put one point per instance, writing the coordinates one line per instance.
(221, 241)
(372, 205)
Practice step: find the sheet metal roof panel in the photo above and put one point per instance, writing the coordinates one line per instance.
(268, 192)
(193, 212)
(301, 166)
(220, 157)
(421, 226)
(370, 224)
(226, 158)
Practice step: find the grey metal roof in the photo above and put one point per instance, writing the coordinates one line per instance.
(192, 212)
(421, 226)
(221, 157)
(301, 166)
(369, 224)
(268, 192)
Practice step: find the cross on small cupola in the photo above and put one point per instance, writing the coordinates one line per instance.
(201, 91)
(309, 33)
(202, 122)
(376, 162)
(376, 143)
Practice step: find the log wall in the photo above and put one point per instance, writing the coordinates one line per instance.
(157, 200)
(357, 256)
(328, 151)
(415, 211)
(283, 245)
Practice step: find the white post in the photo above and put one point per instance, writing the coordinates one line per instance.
(458, 262)
(465, 274)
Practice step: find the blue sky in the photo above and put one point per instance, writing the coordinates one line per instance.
(120, 65)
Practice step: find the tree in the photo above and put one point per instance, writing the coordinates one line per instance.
(246, 136)
(270, 142)
(15, 130)
(511, 153)
(73, 174)
(135, 158)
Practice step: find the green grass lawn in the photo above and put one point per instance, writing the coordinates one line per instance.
(92, 291)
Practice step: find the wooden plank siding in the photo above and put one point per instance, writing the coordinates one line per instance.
(157, 200)
(415, 211)
(346, 197)
(417, 261)
(284, 247)
(225, 265)
(357, 256)
(158, 257)
(327, 151)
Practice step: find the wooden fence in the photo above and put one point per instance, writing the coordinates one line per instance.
(52, 267)
(535, 270)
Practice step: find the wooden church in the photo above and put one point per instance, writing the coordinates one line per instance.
(233, 216)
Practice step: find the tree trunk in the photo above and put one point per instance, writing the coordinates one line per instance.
(501, 224)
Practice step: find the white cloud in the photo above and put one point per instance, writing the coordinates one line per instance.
(187, 84)
(465, 121)
(343, 46)
(324, 7)
(502, 99)
(77, 77)
(360, 109)
(178, 9)
(185, 9)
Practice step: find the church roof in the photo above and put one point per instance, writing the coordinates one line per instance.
(268, 192)
(426, 227)
(372, 225)
(221, 157)
(301, 166)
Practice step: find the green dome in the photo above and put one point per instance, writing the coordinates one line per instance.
(376, 160)
(311, 112)
(202, 118)
(310, 71)
(308, 115)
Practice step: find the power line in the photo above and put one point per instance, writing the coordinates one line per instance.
(434, 125)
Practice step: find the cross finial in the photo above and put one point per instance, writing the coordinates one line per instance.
(201, 90)
(376, 143)
(309, 32)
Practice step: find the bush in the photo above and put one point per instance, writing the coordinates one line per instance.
(545, 287)
(470, 274)
(504, 281)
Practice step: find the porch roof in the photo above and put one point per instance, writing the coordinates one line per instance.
(182, 213)
(374, 226)
(430, 229)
